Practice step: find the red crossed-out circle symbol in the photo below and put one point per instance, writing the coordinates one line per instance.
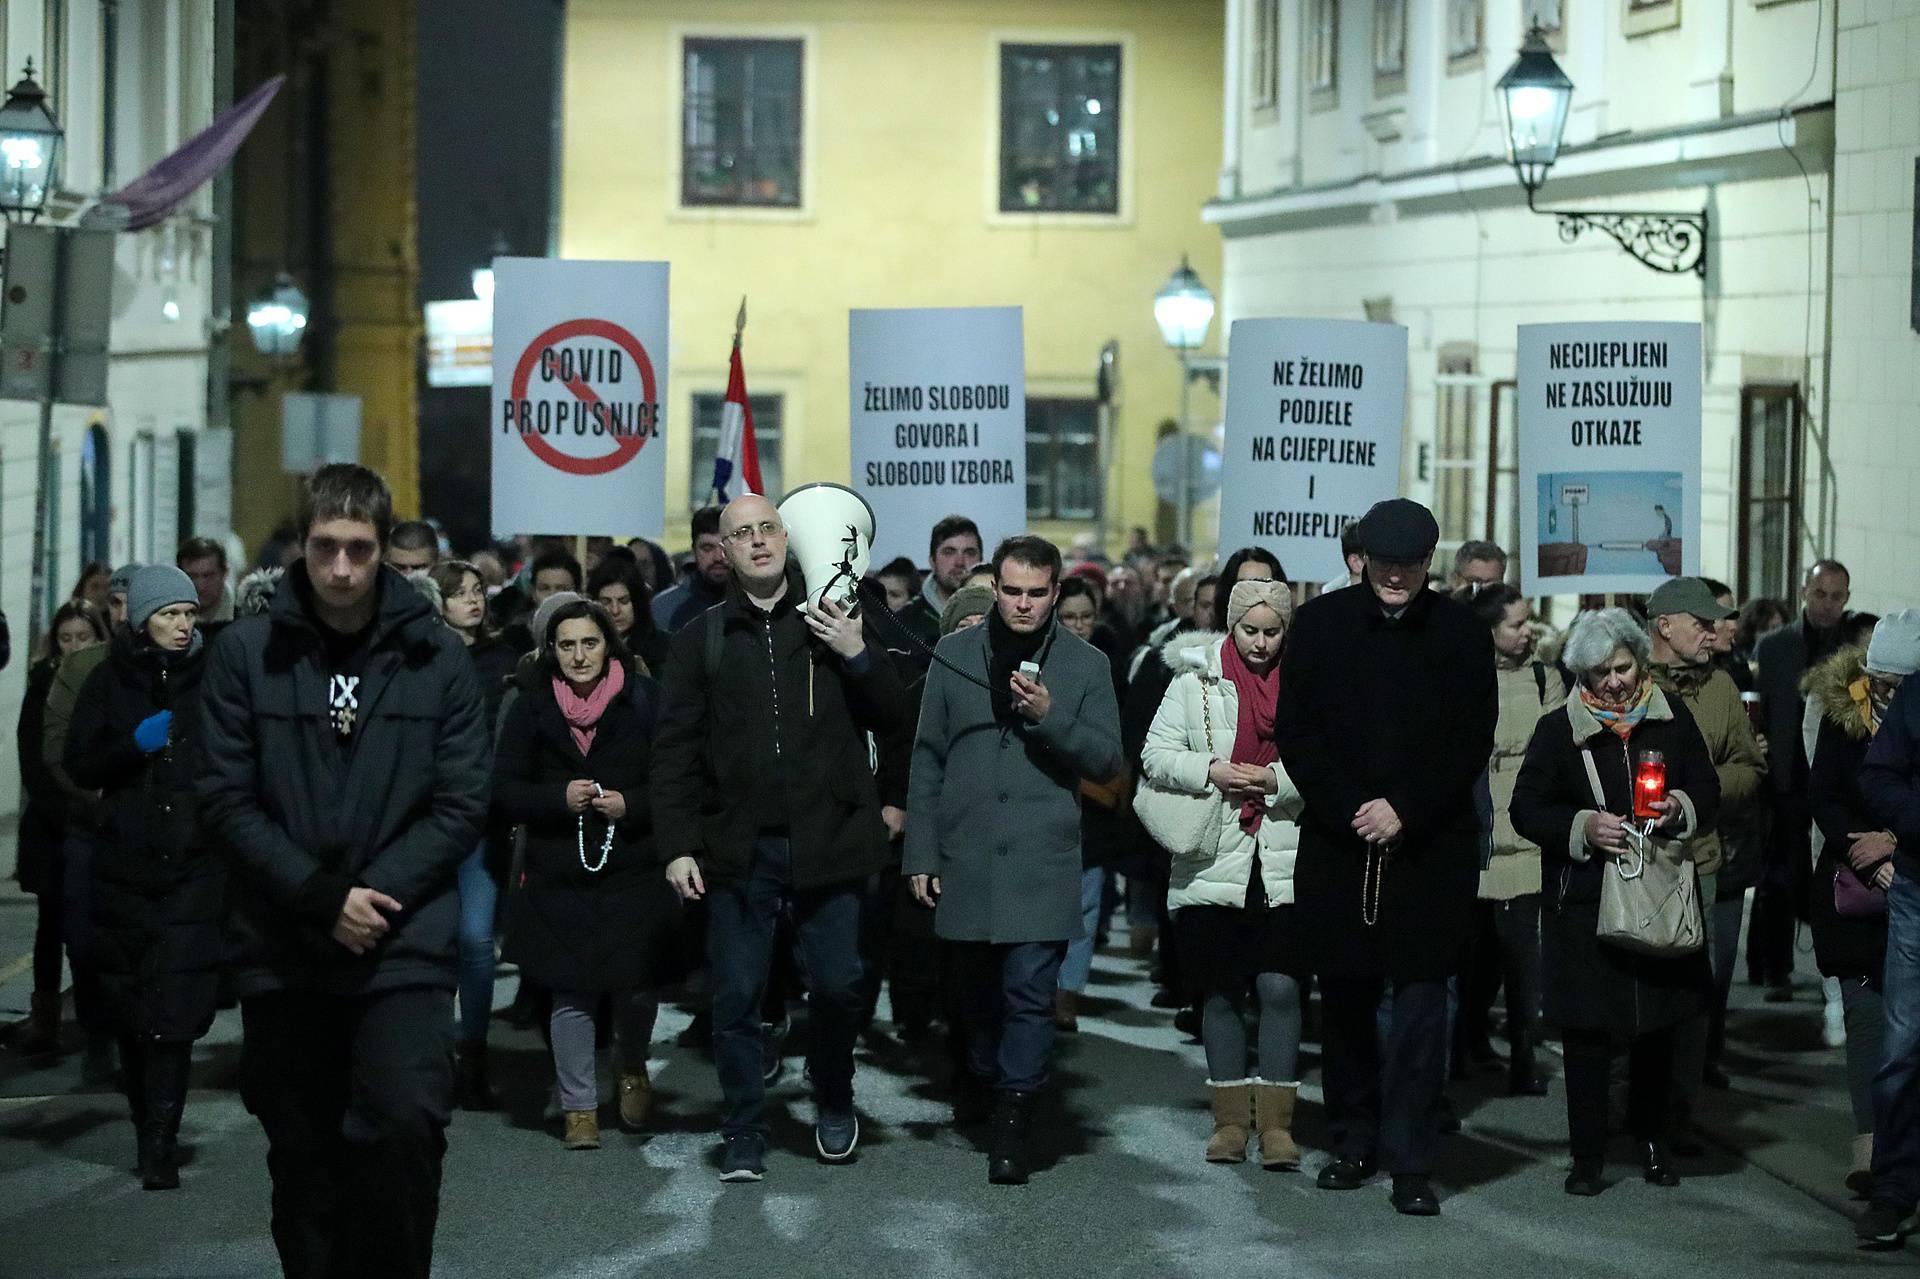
(627, 447)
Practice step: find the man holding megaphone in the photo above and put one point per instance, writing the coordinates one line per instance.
(764, 802)
(1014, 714)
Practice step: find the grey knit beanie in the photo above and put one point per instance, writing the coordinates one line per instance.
(122, 579)
(153, 588)
(1895, 646)
(544, 614)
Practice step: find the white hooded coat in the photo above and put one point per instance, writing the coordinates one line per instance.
(1177, 756)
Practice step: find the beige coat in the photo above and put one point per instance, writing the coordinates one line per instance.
(1526, 693)
(1714, 699)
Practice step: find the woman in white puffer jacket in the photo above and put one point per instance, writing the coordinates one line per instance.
(1232, 893)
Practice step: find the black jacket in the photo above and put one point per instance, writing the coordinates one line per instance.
(1783, 656)
(43, 809)
(1587, 984)
(1843, 947)
(1402, 710)
(710, 776)
(570, 928)
(1889, 780)
(159, 889)
(303, 821)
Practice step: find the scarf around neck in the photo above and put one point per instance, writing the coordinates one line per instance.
(1621, 717)
(1006, 649)
(1253, 738)
(583, 713)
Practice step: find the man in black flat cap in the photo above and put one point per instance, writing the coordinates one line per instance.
(1385, 722)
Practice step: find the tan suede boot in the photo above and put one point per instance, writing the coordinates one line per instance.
(1232, 1117)
(583, 1130)
(1860, 1176)
(1273, 1115)
(636, 1099)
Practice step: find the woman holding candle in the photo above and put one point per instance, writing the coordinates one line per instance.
(1619, 735)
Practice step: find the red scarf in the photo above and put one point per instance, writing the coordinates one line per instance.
(583, 713)
(1253, 740)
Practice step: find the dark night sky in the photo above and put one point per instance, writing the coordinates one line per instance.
(487, 72)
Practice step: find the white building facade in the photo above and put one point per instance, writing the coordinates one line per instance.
(128, 82)
(1364, 174)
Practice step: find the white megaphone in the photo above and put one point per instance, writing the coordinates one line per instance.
(830, 533)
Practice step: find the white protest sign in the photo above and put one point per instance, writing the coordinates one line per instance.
(939, 422)
(1315, 415)
(579, 391)
(1609, 418)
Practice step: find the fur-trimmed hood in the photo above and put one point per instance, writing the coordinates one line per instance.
(1830, 682)
(1196, 651)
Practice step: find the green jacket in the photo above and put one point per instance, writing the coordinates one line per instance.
(1527, 692)
(82, 805)
(1714, 700)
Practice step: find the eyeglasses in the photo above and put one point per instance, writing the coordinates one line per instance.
(325, 550)
(767, 529)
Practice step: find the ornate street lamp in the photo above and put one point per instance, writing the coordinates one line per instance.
(29, 149)
(277, 319)
(1535, 98)
(1183, 308)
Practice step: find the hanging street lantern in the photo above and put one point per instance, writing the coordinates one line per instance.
(278, 319)
(29, 149)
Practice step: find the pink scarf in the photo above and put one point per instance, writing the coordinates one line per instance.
(1253, 739)
(583, 713)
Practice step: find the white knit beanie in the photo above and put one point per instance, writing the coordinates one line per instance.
(1249, 594)
(1895, 646)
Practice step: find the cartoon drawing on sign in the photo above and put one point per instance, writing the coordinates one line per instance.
(1628, 521)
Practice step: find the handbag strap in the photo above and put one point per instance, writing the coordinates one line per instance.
(1206, 710)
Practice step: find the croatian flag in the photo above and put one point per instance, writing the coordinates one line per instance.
(736, 465)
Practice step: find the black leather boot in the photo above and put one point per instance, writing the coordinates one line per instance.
(1007, 1148)
(1656, 1165)
(475, 1089)
(1523, 1071)
(166, 1093)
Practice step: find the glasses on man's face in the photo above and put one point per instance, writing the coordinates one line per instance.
(767, 529)
(325, 550)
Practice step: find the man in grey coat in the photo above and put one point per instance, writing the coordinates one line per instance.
(993, 824)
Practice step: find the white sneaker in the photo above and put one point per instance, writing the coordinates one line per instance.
(1833, 1030)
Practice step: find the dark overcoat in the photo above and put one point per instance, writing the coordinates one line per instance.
(1404, 709)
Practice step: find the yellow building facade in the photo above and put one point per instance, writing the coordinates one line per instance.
(889, 191)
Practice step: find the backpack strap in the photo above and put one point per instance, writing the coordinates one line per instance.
(1540, 680)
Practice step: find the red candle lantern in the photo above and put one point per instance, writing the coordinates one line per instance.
(1649, 785)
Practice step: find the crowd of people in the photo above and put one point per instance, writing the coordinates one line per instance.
(341, 789)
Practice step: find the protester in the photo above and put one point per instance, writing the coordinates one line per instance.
(38, 862)
(1102, 829)
(345, 824)
(480, 879)
(1853, 689)
(1386, 720)
(159, 890)
(617, 585)
(593, 916)
(1889, 782)
(674, 607)
(550, 572)
(900, 580)
(1759, 618)
(1506, 946)
(1232, 893)
(1783, 657)
(1024, 737)
(765, 803)
(100, 1054)
(1353, 554)
(1683, 620)
(1476, 566)
(1597, 993)
(414, 547)
(953, 550)
(205, 561)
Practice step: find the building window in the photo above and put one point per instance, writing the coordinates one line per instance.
(1769, 495)
(1265, 67)
(740, 139)
(1323, 52)
(1060, 128)
(707, 408)
(1063, 459)
(1640, 17)
(1466, 31)
(1549, 15)
(1389, 46)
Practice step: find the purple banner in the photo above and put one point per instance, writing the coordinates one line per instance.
(157, 192)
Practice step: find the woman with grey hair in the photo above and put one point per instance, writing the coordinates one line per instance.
(1595, 992)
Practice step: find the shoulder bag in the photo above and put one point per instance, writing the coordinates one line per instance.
(1649, 898)
(1180, 821)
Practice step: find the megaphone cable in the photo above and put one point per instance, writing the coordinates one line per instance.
(878, 597)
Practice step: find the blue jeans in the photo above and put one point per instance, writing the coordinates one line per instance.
(1078, 965)
(479, 896)
(1896, 1088)
(741, 919)
(1006, 1003)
